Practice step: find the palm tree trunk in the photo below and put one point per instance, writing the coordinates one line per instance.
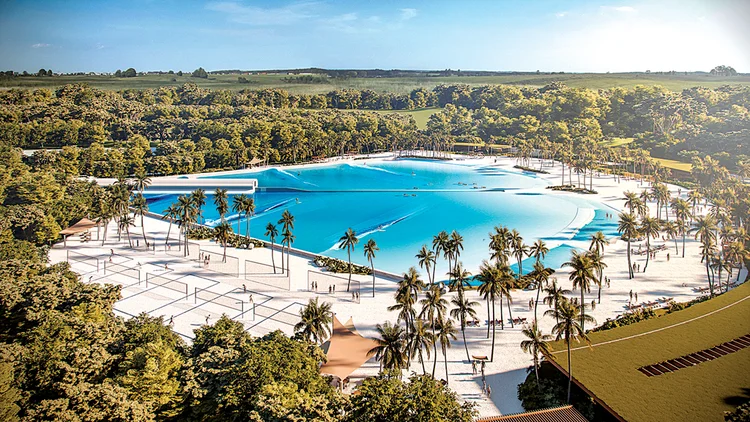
(130, 242)
(282, 257)
(648, 251)
(372, 268)
(143, 230)
(582, 310)
(599, 298)
(492, 354)
(434, 347)
(224, 258)
(273, 261)
(445, 359)
(463, 334)
(683, 244)
(239, 218)
(349, 254)
(570, 370)
(169, 230)
(247, 226)
(421, 361)
(488, 316)
(630, 266)
(536, 303)
(510, 312)
(502, 319)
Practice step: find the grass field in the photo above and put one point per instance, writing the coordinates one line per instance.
(421, 116)
(397, 85)
(701, 392)
(616, 142)
(673, 164)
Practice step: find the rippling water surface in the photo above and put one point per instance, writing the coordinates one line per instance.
(402, 204)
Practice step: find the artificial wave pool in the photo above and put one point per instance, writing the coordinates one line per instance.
(402, 204)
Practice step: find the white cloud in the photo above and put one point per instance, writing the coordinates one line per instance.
(99, 46)
(618, 9)
(253, 15)
(561, 14)
(407, 14)
(41, 45)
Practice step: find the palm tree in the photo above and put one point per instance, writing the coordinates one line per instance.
(515, 241)
(541, 275)
(198, 197)
(737, 254)
(272, 232)
(535, 345)
(445, 333)
(222, 234)
(459, 279)
(287, 239)
(406, 298)
(705, 230)
(628, 228)
(287, 222)
(694, 197)
(631, 199)
(426, 260)
(391, 348)
(221, 202)
(370, 248)
(506, 285)
(315, 321)
(539, 250)
(650, 228)
(141, 182)
(140, 208)
(672, 229)
(457, 245)
(681, 209)
(568, 314)
(126, 222)
(187, 216)
(599, 265)
(464, 309)
(581, 274)
(238, 206)
(555, 294)
(171, 214)
(348, 241)
(433, 307)
(439, 244)
(420, 339)
(598, 241)
(249, 210)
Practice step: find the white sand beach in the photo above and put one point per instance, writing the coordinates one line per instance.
(272, 308)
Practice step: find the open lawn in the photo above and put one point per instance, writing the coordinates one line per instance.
(701, 392)
(616, 142)
(397, 85)
(673, 164)
(421, 116)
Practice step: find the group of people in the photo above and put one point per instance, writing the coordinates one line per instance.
(206, 259)
(476, 367)
(355, 296)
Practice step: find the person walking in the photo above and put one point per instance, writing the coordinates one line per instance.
(636, 297)
(244, 289)
(473, 367)
(631, 295)
(489, 392)
(207, 318)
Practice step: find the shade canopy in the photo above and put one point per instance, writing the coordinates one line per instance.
(347, 350)
(81, 226)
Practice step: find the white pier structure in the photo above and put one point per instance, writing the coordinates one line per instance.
(187, 184)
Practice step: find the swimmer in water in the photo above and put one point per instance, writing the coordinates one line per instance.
(297, 199)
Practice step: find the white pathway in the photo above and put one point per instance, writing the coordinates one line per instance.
(276, 308)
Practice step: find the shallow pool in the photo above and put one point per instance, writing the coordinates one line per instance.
(402, 204)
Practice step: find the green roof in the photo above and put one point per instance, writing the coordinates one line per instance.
(609, 369)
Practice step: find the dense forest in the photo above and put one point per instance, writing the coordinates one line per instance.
(194, 129)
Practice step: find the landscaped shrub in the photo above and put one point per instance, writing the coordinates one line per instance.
(626, 319)
(235, 240)
(338, 266)
(533, 170)
(740, 414)
(571, 188)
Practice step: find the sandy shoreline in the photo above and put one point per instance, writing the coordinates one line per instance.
(675, 277)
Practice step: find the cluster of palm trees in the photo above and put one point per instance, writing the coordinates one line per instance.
(721, 232)
(287, 226)
(123, 197)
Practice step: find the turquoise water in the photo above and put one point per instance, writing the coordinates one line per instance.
(403, 204)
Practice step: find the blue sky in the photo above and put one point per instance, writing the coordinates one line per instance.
(547, 35)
